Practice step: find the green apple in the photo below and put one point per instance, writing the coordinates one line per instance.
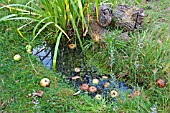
(28, 47)
(17, 57)
(98, 97)
(95, 81)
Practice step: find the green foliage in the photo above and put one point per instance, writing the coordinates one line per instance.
(144, 57)
(47, 14)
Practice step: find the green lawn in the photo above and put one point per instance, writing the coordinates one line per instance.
(150, 48)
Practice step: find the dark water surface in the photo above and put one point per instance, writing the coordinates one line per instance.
(68, 60)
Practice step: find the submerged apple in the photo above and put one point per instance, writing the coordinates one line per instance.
(45, 82)
(17, 57)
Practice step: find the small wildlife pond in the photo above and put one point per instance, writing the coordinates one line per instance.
(84, 78)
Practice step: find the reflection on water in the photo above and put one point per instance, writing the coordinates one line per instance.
(44, 54)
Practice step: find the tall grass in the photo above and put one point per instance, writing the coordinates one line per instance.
(55, 14)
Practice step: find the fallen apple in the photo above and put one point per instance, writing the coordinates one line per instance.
(77, 70)
(28, 47)
(72, 46)
(17, 57)
(113, 93)
(92, 89)
(95, 81)
(161, 83)
(136, 93)
(29, 51)
(98, 97)
(106, 84)
(84, 87)
(105, 77)
(45, 82)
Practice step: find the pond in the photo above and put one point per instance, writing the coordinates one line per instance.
(84, 78)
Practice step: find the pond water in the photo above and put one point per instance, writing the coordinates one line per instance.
(44, 54)
(85, 79)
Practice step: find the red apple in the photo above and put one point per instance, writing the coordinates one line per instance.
(45, 82)
(161, 83)
(106, 84)
(84, 87)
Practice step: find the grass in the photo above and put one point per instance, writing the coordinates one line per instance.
(145, 61)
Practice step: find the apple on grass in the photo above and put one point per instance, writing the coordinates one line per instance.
(29, 51)
(28, 46)
(45, 82)
(17, 57)
(98, 97)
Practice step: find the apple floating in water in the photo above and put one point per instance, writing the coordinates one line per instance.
(77, 70)
(84, 87)
(92, 89)
(105, 77)
(17, 57)
(113, 93)
(95, 81)
(106, 84)
(45, 82)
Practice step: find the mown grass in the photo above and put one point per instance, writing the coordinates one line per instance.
(145, 61)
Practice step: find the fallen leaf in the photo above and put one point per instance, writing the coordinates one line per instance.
(40, 93)
(78, 92)
(75, 77)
